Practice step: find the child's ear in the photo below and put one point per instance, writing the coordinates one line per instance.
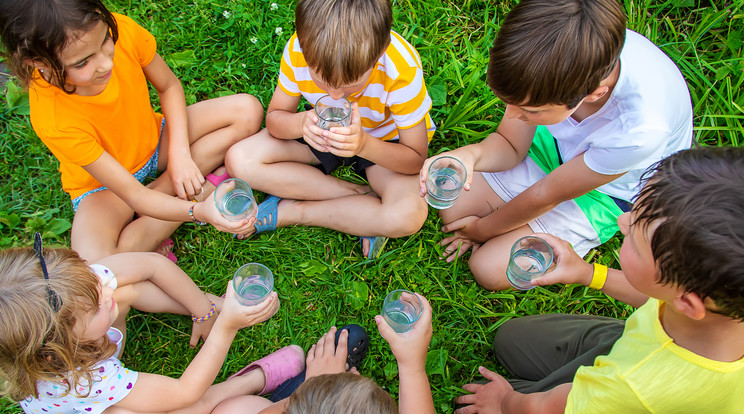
(690, 304)
(597, 94)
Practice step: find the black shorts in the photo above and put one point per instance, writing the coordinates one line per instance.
(329, 162)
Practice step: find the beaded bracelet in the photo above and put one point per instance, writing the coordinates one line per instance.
(193, 218)
(212, 309)
(599, 277)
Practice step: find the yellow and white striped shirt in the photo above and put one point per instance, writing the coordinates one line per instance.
(394, 97)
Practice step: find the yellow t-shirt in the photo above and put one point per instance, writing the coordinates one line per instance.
(120, 120)
(646, 372)
(395, 96)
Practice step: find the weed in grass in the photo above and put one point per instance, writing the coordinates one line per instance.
(232, 46)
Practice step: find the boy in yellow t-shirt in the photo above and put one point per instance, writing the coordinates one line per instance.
(683, 349)
(344, 49)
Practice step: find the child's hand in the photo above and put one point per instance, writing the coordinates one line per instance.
(185, 176)
(200, 330)
(409, 347)
(238, 316)
(347, 141)
(485, 398)
(312, 133)
(461, 155)
(465, 237)
(324, 357)
(207, 211)
(569, 266)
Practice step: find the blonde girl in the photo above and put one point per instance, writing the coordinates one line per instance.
(58, 351)
(88, 70)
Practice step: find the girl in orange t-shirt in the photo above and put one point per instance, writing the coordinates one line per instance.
(87, 70)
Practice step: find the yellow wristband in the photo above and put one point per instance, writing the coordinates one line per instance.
(599, 277)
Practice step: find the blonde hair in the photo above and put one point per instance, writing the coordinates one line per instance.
(342, 39)
(37, 343)
(340, 393)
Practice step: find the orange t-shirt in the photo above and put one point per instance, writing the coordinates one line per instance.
(120, 120)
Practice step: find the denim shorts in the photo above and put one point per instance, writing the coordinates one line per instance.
(150, 169)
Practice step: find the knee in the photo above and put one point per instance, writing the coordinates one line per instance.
(247, 115)
(245, 157)
(405, 219)
(488, 271)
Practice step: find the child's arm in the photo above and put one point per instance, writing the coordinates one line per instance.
(133, 268)
(157, 393)
(184, 174)
(497, 396)
(405, 157)
(149, 202)
(571, 268)
(410, 350)
(566, 182)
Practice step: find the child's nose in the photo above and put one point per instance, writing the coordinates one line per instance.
(336, 93)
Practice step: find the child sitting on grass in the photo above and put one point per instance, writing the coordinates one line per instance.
(589, 106)
(328, 388)
(345, 49)
(59, 342)
(88, 70)
(682, 351)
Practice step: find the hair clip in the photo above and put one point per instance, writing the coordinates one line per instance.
(54, 301)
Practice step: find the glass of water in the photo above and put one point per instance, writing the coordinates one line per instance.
(234, 199)
(444, 182)
(530, 258)
(401, 309)
(333, 112)
(253, 282)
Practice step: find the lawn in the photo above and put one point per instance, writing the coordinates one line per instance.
(230, 46)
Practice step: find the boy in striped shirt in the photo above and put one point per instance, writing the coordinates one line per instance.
(344, 49)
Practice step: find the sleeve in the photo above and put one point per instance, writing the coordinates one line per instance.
(287, 79)
(602, 390)
(409, 100)
(634, 149)
(72, 144)
(114, 382)
(141, 41)
(105, 274)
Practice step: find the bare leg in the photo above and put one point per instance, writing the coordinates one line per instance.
(103, 224)
(284, 168)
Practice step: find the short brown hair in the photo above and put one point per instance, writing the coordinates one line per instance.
(555, 51)
(340, 393)
(343, 39)
(697, 197)
(38, 343)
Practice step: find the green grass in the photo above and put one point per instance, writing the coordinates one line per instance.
(320, 274)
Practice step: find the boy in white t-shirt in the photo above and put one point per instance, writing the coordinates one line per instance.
(589, 106)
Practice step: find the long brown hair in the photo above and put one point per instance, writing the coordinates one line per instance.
(38, 343)
(38, 30)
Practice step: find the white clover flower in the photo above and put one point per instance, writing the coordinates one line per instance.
(226, 14)
(254, 40)
(243, 65)
(274, 6)
(279, 31)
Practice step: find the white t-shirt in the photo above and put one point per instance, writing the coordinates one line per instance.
(647, 117)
